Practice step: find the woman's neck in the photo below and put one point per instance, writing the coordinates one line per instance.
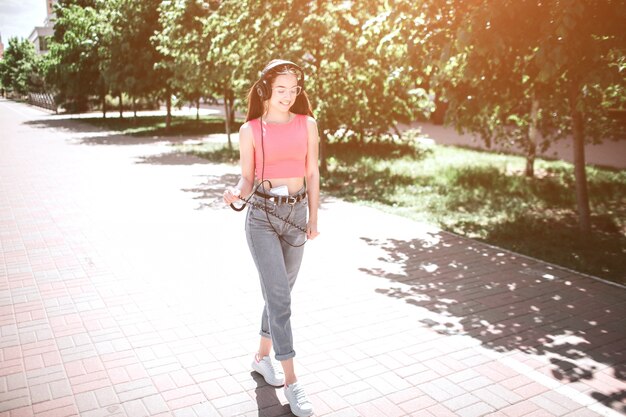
(277, 117)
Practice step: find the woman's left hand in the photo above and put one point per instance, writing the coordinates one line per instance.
(311, 230)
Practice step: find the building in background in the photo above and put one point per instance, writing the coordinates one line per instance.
(39, 36)
(1, 46)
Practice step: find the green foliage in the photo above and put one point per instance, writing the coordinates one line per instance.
(183, 48)
(355, 80)
(502, 55)
(73, 64)
(19, 67)
(133, 58)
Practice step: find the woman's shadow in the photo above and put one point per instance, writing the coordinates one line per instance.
(268, 403)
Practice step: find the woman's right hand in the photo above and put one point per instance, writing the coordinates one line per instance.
(231, 195)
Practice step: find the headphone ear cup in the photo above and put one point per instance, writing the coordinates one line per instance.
(263, 91)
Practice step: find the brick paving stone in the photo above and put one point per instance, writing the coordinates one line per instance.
(128, 391)
(582, 412)
(437, 410)
(461, 401)
(475, 410)
(114, 303)
(205, 410)
(417, 403)
(136, 408)
(346, 412)
(442, 389)
(540, 413)
(388, 408)
(518, 410)
(334, 400)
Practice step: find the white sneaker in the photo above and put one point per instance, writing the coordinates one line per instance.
(298, 401)
(270, 371)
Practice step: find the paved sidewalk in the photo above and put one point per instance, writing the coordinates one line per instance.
(127, 289)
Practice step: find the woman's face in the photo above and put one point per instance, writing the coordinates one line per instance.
(285, 89)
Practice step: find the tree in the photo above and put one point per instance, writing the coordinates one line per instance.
(73, 65)
(490, 80)
(231, 57)
(19, 67)
(358, 85)
(512, 67)
(579, 56)
(134, 62)
(182, 46)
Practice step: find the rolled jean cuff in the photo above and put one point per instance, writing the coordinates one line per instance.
(285, 356)
(265, 334)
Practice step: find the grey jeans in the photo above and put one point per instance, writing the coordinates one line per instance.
(278, 264)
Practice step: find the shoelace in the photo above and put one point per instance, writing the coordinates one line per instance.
(300, 395)
(273, 368)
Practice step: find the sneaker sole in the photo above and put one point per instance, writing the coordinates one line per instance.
(272, 382)
(303, 414)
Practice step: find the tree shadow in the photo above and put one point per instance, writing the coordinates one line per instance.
(172, 158)
(64, 123)
(127, 131)
(84, 133)
(267, 401)
(208, 193)
(557, 239)
(514, 304)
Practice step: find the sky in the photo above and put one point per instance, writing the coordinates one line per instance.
(19, 17)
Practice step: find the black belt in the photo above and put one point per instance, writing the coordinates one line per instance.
(282, 199)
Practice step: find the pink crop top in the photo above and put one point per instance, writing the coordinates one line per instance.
(284, 146)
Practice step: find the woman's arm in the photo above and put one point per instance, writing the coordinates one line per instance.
(312, 177)
(246, 162)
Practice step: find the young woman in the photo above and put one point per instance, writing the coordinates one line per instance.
(278, 148)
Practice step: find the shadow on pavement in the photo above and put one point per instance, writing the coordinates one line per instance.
(268, 403)
(84, 133)
(66, 123)
(209, 192)
(172, 158)
(514, 304)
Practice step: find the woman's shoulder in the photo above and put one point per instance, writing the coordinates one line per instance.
(248, 126)
(309, 120)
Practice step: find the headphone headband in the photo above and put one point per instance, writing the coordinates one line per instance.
(277, 63)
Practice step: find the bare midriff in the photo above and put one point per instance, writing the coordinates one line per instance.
(294, 184)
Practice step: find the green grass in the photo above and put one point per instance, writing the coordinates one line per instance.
(481, 195)
(486, 196)
(218, 153)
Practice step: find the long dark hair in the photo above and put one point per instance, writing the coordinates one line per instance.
(255, 104)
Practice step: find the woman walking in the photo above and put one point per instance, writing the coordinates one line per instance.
(278, 148)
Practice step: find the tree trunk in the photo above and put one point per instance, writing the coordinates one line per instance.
(231, 106)
(104, 105)
(198, 109)
(119, 97)
(322, 136)
(134, 109)
(582, 197)
(168, 117)
(227, 113)
(531, 148)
